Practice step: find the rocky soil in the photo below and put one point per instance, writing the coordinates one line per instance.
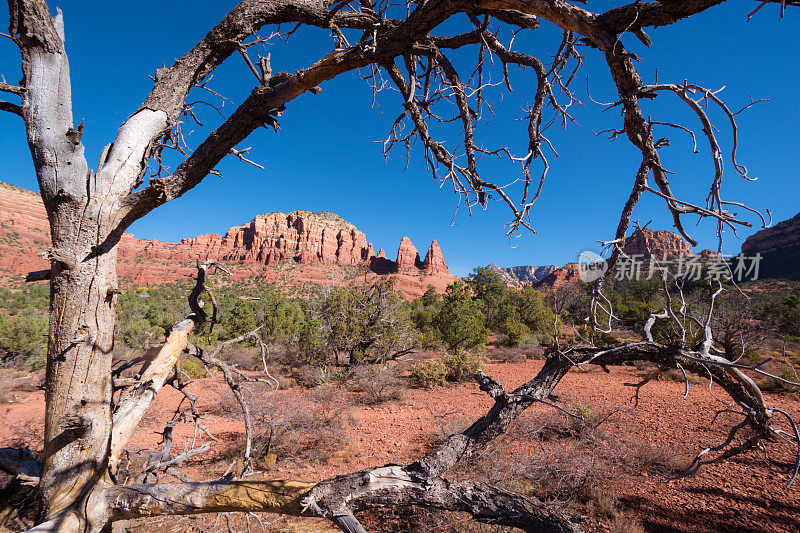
(614, 465)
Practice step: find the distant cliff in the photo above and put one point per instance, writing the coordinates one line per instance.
(311, 241)
(524, 274)
(779, 247)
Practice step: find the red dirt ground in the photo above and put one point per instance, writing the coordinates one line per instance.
(744, 494)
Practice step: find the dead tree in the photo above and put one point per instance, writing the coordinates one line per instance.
(87, 424)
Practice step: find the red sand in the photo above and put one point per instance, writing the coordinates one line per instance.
(743, 494)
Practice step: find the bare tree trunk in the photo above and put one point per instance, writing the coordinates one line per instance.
(79, 386)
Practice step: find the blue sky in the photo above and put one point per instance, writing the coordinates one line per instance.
(325, 156)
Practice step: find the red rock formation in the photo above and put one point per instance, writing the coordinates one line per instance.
(779, 247)
(306, 237)
(407, 255)
(434, 259)
(646, 243)
(565, 275)
(315, 243)
(24, 230)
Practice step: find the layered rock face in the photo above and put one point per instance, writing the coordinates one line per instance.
(434, 259)
(660, 243)
(302, 238)
(568, 274)
(779, 247)
(24, 230)
(407, 255)
(523, 274)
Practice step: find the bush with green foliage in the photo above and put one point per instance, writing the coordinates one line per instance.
(423, 312)
(462, 366)
(490, 292)
(429, 373)
(353, 324)
(192, 367)
(23, 340)
(525, 313)
(460, 322)
(783, 312)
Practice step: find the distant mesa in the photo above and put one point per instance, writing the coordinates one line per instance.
(643, 243)
(656, 243)
(523, 274)
(316, 242)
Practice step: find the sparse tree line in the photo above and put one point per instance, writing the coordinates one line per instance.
(371, 323)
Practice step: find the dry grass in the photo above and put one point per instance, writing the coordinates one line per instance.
(288, 426)
(378, 383)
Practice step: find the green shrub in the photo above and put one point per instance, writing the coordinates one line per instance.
(23, 340)
(777, 385)
(429, 373)
(752, 355)
(460, 322)
(514, 330)
(192, 368)
(462, 366)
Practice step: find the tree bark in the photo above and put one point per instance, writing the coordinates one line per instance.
(79, 385)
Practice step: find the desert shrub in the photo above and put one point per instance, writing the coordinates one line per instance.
(490, 294)
(289, 426)
(137, 333)
(145, 316)
(241, 320)
(23, 340)
(507, 354)
(379, 383)
(367, 323)
(429, 373)
(567, 474)
(600, 338)
(624, 524)
(423, 312)
(192, 367)
(655, 458)
(513, 329)
(460, 322)
(314, 376)
(311, 343)
(752, 355)
(243, 357)
(525, 313)
(776, 385)
(461, 366)
(535, 341)
(415, 519)
(783, 311)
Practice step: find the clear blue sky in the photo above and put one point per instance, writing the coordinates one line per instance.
(325, 158)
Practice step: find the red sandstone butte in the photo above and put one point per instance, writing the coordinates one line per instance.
(434, 260)
(407, 255)
(303, 246)
(647, 242)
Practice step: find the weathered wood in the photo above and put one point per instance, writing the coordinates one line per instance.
(135, 501)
